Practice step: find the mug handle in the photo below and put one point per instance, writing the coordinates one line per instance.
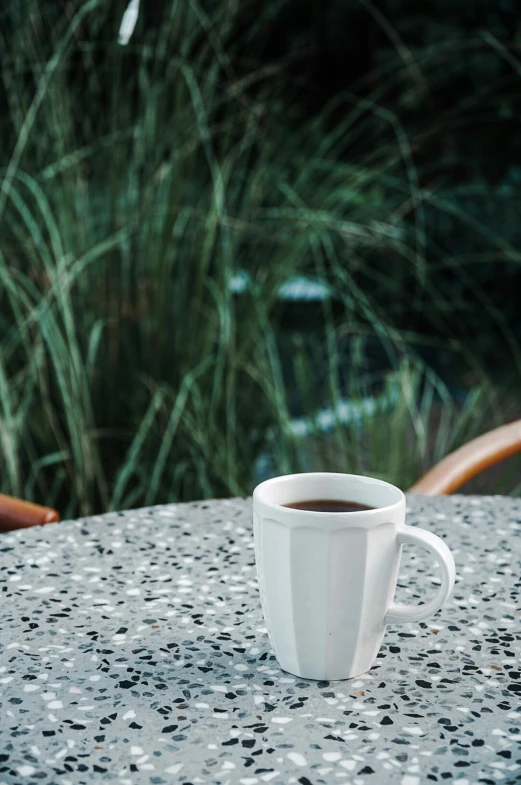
(399, 613)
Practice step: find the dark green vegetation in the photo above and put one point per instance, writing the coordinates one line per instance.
(137, 182)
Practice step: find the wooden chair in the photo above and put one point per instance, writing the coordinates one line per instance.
(18, 514)
(471, 459)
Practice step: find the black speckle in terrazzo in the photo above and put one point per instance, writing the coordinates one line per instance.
(133, 651)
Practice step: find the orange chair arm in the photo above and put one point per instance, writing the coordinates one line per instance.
(476, 456)
(18, 514)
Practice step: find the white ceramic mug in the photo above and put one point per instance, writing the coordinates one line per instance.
(327, 579)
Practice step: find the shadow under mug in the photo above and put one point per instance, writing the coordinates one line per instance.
(327, 579)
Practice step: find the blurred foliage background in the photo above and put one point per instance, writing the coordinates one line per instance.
(261, 237)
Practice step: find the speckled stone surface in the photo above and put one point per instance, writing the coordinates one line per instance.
(133, 650)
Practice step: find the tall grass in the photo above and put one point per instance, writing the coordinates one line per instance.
(135, 184)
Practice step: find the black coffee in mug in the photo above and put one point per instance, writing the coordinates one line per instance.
(328, 505)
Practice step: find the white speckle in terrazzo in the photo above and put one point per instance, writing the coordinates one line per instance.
(297, 759)
(332, 756)
(174, 769)
(26, 771)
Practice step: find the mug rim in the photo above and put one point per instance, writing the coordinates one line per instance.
(259, 496)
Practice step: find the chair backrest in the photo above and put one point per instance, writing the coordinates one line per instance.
(471, 459)
(18, 514)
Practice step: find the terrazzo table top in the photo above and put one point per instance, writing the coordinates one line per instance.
(133, 651)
